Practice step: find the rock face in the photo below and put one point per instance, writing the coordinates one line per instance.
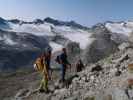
(101, 47)
(73, 50)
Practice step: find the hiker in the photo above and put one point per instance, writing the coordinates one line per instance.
(79, 65)
(48, 53)
(62, 60)
(40, 66)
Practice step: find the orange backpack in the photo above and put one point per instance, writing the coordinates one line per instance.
(39, 65)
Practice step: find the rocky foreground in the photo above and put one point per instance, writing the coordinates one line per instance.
(108, 79)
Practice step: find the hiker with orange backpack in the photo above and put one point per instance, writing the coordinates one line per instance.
(48, 53)
(41, 66)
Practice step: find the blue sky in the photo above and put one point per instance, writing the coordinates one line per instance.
(85, 12)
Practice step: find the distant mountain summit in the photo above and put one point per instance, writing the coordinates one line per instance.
(4, 24)
(15, 21)
(67, 23)
(38, 21)
(51, 21)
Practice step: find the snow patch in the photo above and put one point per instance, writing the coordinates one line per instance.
(8, 40)
(35, 29)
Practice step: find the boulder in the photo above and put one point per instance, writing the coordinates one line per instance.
(73, 50)
(96, 68)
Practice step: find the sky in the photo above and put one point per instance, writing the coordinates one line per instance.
(85, 12)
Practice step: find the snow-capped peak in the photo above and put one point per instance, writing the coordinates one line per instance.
(124, 28)
(4, 25)
(35, 29)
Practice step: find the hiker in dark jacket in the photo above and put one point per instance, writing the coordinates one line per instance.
(64, 64)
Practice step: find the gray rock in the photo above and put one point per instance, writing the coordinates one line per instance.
(97, 68)
(23, 94)
(122, 58)
(124, 45)
(118, 73)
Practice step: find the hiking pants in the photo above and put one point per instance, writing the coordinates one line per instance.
(63, 72)
(44, 84)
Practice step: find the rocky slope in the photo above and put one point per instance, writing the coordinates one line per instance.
(104, 80)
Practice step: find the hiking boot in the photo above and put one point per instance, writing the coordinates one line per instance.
(41, 90)
(44, 91)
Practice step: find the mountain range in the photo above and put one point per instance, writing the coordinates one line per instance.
(21, 41)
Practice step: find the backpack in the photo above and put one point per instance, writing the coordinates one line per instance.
(58, 58)
(38, 65)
